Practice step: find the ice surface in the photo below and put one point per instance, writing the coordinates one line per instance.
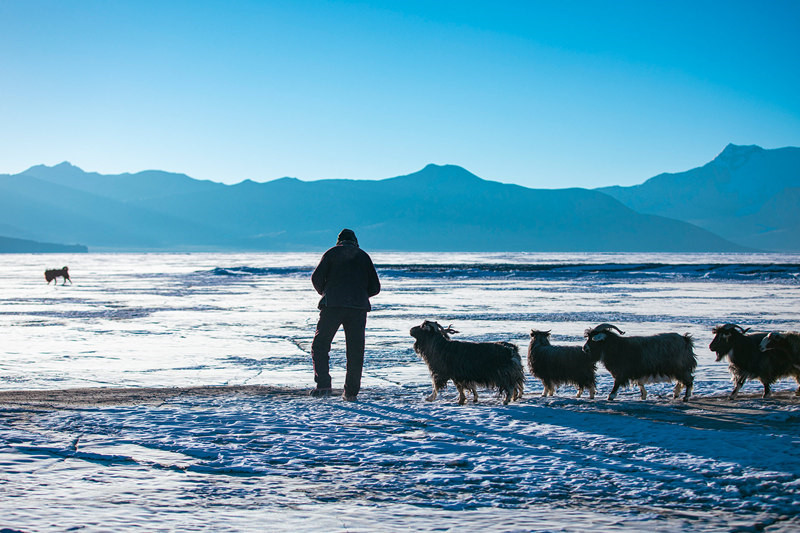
(263, 455)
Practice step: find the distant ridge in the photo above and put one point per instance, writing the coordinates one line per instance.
(22, 246)
(747, 194)
(439, 208)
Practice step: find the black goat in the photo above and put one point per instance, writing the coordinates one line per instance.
(468, 364)
(640, 360)
(561, 365)
(746, 360)
(788, 341)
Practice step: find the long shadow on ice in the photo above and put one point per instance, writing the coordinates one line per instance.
(751, 432)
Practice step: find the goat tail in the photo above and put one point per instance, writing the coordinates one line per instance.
(515, 377)
(687, 337)
(513, 347)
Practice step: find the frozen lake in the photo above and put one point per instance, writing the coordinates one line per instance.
(262, 454)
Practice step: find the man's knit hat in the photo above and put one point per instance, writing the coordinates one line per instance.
(347, 235)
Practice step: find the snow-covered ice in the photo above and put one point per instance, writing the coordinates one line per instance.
(256, 453)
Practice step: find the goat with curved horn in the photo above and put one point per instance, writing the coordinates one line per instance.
(640, 360)
(752, 356)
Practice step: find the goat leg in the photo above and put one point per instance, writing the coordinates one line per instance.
(614, 389)
(507, 397)
(518, 393)
(432, 395)
(689, 387)
(735, 391)
(677, 391)
(462, 398)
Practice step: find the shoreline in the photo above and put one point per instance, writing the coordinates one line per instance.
(108, 396)
(104, 396)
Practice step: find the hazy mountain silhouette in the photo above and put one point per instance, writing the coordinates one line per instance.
(22, 246)
(42, 204)
(439, 208)
(747, 194)
(124, 187)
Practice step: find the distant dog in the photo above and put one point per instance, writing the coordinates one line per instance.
(468, 364)
(56, 273)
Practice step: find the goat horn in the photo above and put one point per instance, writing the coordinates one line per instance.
(607, 327)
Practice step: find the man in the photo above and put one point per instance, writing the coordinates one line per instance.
(346, 279)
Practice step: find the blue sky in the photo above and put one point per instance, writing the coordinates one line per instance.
(543, 94)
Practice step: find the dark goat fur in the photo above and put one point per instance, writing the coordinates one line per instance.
(468, 364)
(787, 341)
(561, 365)
(640, 360)
(54, 274)
(746, 359)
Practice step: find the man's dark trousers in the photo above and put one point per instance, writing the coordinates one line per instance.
(354, 322)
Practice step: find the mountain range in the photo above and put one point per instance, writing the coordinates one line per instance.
(748, 195)
(744, 199)
(23, 246)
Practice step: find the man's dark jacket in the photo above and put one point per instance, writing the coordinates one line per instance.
(346, 277)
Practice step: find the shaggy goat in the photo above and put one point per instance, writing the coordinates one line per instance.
(640, 360)
(561, 365)
(468, 364)
(746, 360)
(787, 341)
